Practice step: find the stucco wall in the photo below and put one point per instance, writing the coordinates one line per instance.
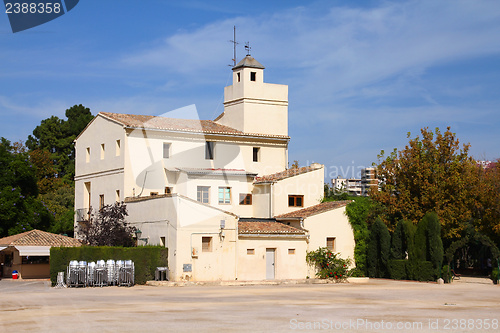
(310, 184)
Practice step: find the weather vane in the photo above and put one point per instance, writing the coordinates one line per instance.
(247, 48)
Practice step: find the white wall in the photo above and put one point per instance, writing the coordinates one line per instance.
(287, 266)
(333, 223)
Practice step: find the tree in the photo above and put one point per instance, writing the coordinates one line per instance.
(486, 213)
(61, 202)
(431, 173)
(20, 210)
(56, 136)
(108, 228)
(379, 248)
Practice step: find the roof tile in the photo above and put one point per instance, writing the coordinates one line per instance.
(174, 124)
(285, 174)
(255, 226)
(317, 209)
(39, 238)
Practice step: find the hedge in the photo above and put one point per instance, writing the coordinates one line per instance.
(145, 258)
(412, 269)
(397, 269)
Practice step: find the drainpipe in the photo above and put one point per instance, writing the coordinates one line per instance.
(236, 252)
(271, 202)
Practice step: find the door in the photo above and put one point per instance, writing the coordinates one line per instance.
(270, 264)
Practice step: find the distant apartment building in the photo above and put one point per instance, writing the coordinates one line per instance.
(355, 186)
(368, 180)
(351, 186)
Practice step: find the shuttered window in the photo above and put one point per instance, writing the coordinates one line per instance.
(330, 243)
(206, 244)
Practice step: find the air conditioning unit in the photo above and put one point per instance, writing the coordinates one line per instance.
(194, 252)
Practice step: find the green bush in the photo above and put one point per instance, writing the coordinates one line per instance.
(379, 248)
(424, 271)
(495, 275)
(328, 264)
(397, 269)
(145, 258)
(446, 274)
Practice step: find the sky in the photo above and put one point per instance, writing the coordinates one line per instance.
(361, 74)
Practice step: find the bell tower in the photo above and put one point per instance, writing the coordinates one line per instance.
(252, 106)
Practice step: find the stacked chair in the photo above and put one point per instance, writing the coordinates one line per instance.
(101, 273)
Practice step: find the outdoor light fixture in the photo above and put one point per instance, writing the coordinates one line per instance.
(138, 234)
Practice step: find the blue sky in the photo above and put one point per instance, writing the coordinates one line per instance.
(361, 74)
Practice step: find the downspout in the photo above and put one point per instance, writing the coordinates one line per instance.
(236, 252)
(271, 202)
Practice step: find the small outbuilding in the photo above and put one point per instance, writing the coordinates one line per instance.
(29, 253)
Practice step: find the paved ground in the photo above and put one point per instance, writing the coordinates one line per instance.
(471, 305)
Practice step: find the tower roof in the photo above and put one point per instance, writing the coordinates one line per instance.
(248, 61)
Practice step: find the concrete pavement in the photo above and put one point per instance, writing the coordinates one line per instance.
(379, 305)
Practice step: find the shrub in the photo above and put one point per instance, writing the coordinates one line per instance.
(495, 275)
(446, 274)
(420, 270)
(329, 265)
(379, 248)
(145, 258)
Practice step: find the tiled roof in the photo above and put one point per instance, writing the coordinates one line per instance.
(284, 174)
(266, 226)
(313, 210)
(39, 238)
(174, 124)
(249, 61)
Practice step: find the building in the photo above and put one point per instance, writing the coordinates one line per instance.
(216, 193)
(28, 253)
(368, 180)
(351, 186)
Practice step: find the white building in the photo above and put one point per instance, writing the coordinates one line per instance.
(351, 186)
(216, 193)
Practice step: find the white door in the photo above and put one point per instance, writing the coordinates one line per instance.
(270, 264)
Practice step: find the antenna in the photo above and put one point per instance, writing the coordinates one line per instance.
(247, 48)
(234, 45)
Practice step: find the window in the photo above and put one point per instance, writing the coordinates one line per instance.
(250, 251)
(253, 76)
(209, 150)
(203, 194)
(118, 148)
(87, 155)
(224, 195)
(330, 243)
(206, 244)
(101, 201)
(295, 201)
(238, 76)
(29, 260)
(168, 190)
(245, 199)
(291, 251)
(117, 195)
(256, 151)
(102, 151)
(162, 241)
(166, 150)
